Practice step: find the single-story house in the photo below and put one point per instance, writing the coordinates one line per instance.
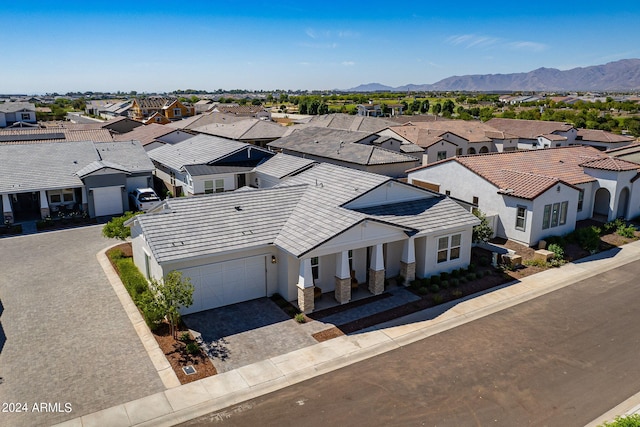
(250, 130)
(538, 193)
(206, 164)
(325, 227)
(345, 148)
(13, 113)
(39, 180)
(154, 135)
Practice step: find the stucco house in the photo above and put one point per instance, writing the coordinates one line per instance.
(538, 193)
(41, 179)
(324, 227)
(206, 164)
(356, 150)
(15, 113)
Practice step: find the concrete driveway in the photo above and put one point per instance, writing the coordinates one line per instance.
(69, 343)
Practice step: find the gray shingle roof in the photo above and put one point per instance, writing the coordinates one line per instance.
(12, 107)
(338, 145)
(282, 165)
(130, 155)
(199, 170)
(199, 150)
(97, 165)
(247, 129)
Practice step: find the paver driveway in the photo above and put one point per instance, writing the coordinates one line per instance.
(68, 339)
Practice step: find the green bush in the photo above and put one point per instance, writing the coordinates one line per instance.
(444, 276)
(300, 318)
(454, 282)
(456, 293)
(535, 263)
(614, 225)
(558, 251)
(471, 277)
(627, 421)
(437, 299)
(444, 284)
(626, 231)
(192, 348)
(434, 288)
(435, 280)
(472, 267)
(423, 290)
(151, 313)
(133, 280)
(416, 284)
(426, 281)
(116, 229)
(588, 238)
(484, 261)
(455, 274)
(185, 337)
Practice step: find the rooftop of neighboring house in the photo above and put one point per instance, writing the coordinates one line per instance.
(198, 150)
(349, 122)
(107, 124)
(246, 129)
(315, 199)
(428, 133)
(239, 110)
(602, 136)
(339, 145)
(45, 135)
(146, 134)
(12, 107)
(528, 129)
(527, 173)
(204, 120)
(153, 103)
(33, 167)
(282, 165)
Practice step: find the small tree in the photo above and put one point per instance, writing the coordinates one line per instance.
(483, 231)
(115, 229)
(172, 293)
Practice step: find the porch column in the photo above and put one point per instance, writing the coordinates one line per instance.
(376, 270)
(305, 286)
(408, 261)
(85, 202)
(343, 278)
(44, 204)
(6, 209)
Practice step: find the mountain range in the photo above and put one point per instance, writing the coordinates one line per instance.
(623, 75)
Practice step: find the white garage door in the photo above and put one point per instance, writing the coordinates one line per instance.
(137, 182)
(227, 283)
(107, 200)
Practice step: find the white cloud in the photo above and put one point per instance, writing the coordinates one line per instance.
(318, 45)
(348, 63)
(529, 46)
(472, 40)
(309, 32)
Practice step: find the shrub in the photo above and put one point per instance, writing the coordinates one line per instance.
(435, 280)
(484, 261)
(416, 284)
(116, 229)
(444, 284)
(434, 288)
(455, 273)
(300, 318)
(487, 272)
(471, 277)
(472, 267)
(133, 280)
(632, 420)
(558, 251)
(535, 263)
(437, 299)
(426, 281)
(454, 282)
(423, 290)
(456, 293)
(588, 238)
(483, 231)
(185, 337)
(628, 231)
(463, 279)
(614, 225)
(444, 276)
(151, 313)
(192, 348)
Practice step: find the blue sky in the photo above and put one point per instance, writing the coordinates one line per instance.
(163, 46)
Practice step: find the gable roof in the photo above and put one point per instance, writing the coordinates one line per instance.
(339, 145)
(528, 173)
(51, 134)
(349, 122)
(12, 107)
(204, 120)
(611, 164)
(296, 216)
(428, 133)
(146, 134)
(596, 135)
(245, 129)
(198, 150)
(528, 129)
(282, 165)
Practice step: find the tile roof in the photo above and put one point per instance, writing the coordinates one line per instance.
(611, 164)
(602, 136)
(284, 215)
(146, 134)
(12, 107)
(242, 110)
(97, 165)
(45, 135)
(282, 165)
(245, 129)
(198, 150)
(200, 170)
(528, 129)
(428, 133)
(338, 145)
(527, 173)
(154, 103)
(204, 120)
(350, 122)
(130, 155)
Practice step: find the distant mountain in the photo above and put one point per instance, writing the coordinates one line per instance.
(371, 87)
(623, 75)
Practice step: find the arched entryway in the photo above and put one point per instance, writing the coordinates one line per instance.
(601, 204)
(623, 203)
(471, 150)
(484, 150)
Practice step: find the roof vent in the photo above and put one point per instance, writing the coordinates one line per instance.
(238, 208)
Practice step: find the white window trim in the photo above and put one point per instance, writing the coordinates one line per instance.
(449, 249)
(523, 227)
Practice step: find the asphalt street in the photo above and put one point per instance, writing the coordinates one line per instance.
(561, 359)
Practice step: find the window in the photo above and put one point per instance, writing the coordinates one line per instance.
(26, 116)
(458, 151)
(447, 192)
(208, 187)
(554, 215)
(315, 264)
(449, 248)
(441, 155)
(350, 256)
(62, 196)
(580, 200)
(219, 185)
(521, 218)
(177, 112)
(475, 200)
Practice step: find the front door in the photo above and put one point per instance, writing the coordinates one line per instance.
(242, 180)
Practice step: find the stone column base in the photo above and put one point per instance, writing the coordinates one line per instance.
(44, 212)
(305, 299)
(8, 217)
(343, 290)
(376, 281)
(408, 271)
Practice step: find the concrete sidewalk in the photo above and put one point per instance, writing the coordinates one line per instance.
(184, 402)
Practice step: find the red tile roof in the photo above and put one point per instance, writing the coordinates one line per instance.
(611, 164)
